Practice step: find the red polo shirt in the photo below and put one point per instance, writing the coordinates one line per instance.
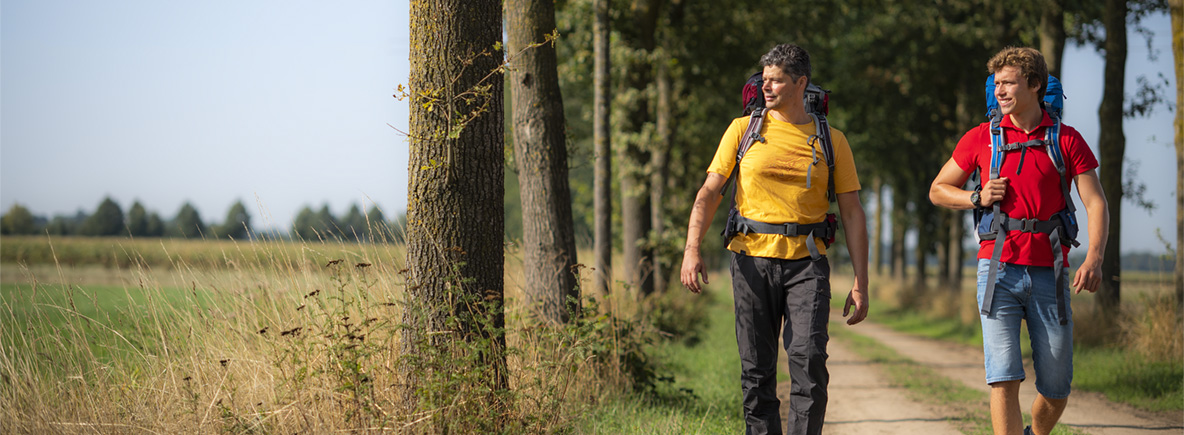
(1033, 190)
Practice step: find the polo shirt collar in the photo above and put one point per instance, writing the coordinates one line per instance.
(1045, 121)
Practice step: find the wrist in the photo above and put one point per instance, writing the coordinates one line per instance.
(976, 199)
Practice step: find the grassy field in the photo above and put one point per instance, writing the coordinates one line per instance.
(167, 336)
(174, 336)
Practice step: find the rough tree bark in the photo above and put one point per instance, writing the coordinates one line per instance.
(455, 180)
(540, 151)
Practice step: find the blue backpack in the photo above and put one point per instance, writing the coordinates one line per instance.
(992, 224)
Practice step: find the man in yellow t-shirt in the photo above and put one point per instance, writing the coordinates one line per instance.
(777, 283)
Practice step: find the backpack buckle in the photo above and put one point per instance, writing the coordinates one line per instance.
(791, 229)
(1028, 225)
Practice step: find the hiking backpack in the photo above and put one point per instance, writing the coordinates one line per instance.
(816, 101)
(992, 224)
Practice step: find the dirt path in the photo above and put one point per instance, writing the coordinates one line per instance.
(863, 402)
(1088, 412)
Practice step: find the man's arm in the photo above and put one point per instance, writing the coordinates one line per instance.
(1089, 274)
(946, 190)
(855, 228)
(706, 202)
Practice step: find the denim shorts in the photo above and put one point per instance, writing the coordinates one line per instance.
(1026, 293)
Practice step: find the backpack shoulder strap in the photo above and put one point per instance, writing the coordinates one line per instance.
(751, 135)
(1052, 136)
(822, 135)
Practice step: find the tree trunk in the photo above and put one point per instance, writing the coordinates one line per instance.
(659, 172)
(924, 248)
(602, 181)
(878, 232)
(634, 152)
(944, 218)
(455, 180)
(1052, 34)
(899, 229)
(540, 149)
(1176, 10)
(1112, 147)
(957, 254)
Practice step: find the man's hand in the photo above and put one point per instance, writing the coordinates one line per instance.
(858, 298)
(993, 191)
(692, 267)
(1089, 275)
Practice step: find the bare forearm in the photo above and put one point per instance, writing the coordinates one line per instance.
(950, 196)
(855, 226)
(706, 203)
(1099, 228)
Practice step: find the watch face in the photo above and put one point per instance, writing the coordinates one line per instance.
(974, 199)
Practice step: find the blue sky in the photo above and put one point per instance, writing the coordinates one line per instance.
(284, 104)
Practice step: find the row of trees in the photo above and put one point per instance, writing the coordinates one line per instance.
(906, 81)
(648, 82)
(109, 219)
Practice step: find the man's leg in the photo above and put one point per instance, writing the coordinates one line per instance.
(1045, 413)
(1005, 408)
(759, 309)
(805, 337)
(1001, 343)
(1052, 349)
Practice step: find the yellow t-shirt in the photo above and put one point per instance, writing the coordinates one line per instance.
(772, 182)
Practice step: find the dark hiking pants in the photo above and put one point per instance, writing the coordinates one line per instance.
(790, 297)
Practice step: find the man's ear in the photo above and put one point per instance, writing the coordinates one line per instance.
(802, 82)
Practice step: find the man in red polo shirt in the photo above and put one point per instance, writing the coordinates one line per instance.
(1027, 189)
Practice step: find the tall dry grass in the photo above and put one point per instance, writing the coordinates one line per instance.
(281, 337)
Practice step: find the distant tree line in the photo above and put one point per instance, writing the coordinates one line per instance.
(109, 220)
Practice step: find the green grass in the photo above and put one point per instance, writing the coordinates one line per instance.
(21, 304)
(1125, 377)
(117, 323)
(704, 396)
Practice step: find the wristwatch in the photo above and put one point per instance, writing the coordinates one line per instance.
(976, 197)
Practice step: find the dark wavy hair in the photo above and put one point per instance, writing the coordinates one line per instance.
(791, 58)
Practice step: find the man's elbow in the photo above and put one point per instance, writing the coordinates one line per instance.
(933, 195)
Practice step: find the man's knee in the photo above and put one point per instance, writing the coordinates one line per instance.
(1007, 387)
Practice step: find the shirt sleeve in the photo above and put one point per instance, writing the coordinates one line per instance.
(846, 178)
(1078, 157)
(725, 155)
(966, 153)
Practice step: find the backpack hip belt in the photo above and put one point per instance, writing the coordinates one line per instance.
(824, 230)
(1058, 235)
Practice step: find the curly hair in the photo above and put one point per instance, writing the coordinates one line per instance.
(791, 58)
(1028, 60)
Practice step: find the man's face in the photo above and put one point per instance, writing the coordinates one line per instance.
(780, 89)
(1013, 92)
